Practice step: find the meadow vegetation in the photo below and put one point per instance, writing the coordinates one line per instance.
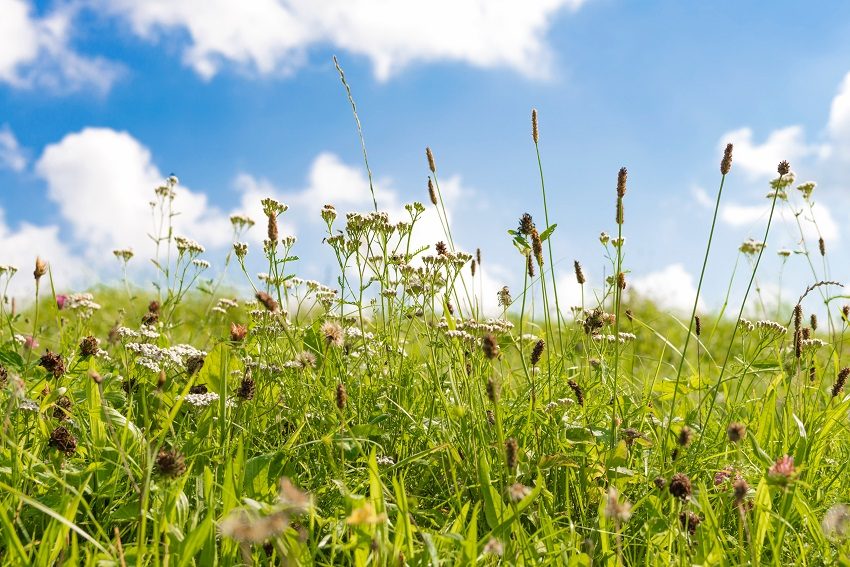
(384, 419)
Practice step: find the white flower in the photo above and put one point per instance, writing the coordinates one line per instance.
(201, 400)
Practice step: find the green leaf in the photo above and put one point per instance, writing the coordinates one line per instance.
(548, 232)
(11, 360)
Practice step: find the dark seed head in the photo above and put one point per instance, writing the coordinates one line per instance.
(526, 224)
(246, 388)
(194, 364)
(431, 164)
(535, 131)
(89, 346)
(63, 441)
(579, 273)
(680, 486)
(529, 265)
(511, 452)
(53, 363)
(441, 248)
(685, 436)
(267, 300)
(537, 352)
(170, 463)
(822, 247)
(493, 390)
(660, 482)
(490, 346)
(432, 193)
(690, 521)
(62, 409)
(341, 396)
(736, 432)
(697, 325)
(813, 321)
(577, 391)
(740, 489)
(726, 162)
(4, 376)
(840, 381)
(783, 168)
(621, 182)
(798, 317)
(198, 389)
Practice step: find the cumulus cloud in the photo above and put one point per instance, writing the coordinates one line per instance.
(271, 36)
(826, 226)
(670, 288)
(36, 51)
(102, 182)
(759, 160)
(11, 154)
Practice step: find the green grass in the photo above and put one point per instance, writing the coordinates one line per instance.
(395, 405)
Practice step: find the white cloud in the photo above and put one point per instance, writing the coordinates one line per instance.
(670, 288)
(102, 181)
(838, 127)
(11, 155)
(36, 52)
(702, 198)
(826, 226)
(759, 160)
(21, 246)
(270, 36)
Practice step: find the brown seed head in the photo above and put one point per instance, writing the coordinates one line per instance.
(441, 248)
(478, 255)
(535, 132)
(697, 325)
(845, 311)
(726, 162)
(577, 391)
(621, 182)
(62, 408)
(840, 381)
(63, 441)
(798, 317)
(537, 246)
(490, 346)
(53, 363)
(529, 265)
(690, 521)
(493, 391)
(153, 306)
(798, 344)
(526, 224)
(822, 246)
(619, 216)
(621, 280)
(813, 321)
(267, 300)
(96, 377)
(472, 266)
(89, 346)
(740, 489)
(537, 352)
(198, 389)
(660, 482)
(4, 376)
(246, 387)
(736, 432)
(431, 164)
(40, 268)
(238, 332)
(685, 436)
(194, 364)
(783, 168)
(341, 396)
(511, 453)
(432, 193)
(272, 231)
(680, 486)
(170, 463)
(579, 273)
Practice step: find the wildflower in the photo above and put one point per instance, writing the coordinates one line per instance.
(40, 269)
(722, 476)
(526, 224)
(783, 470)
(690, 521)
(493, 547)
(680, 486)
(784, 253)
(736, 432)
(186, 245)
(238, 332)
(250, 527)
(726, 162)
(170, 463)
(341, 396)
(615, 509)
(333, 333)
(365, 515)
(60, 301)
(240, 249)
(441, 248)
(201, 400)
(537, 352)
(836, 522)
(200, 264)
(517, 491)
(840, 381)
(385, 461)
(604, 238)
(751, 247)
(241, 222)
(53, 363)
(504, 296)
(305, 359)
(89, 346)
(123, 254)
(63, 441)
(511, 452)
(490, 346)
(268, 301)
(784, 168)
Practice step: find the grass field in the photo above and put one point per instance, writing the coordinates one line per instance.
(384, 419)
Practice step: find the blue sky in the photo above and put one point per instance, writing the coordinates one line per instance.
(99, 99)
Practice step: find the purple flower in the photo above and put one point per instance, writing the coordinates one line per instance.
(60, 301)
(30, 342)
(783, 470)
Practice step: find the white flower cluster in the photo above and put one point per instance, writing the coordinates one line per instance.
(7, 269)
(187, 245)
(622, 338)
(155, 358)
(768, 328)
(201, 400)
(223, 304)
(82, 302)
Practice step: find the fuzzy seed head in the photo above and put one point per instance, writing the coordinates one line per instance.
(490, 346)
(535, 131)
(822, 246)
(40, 268)
(619, 216)
(333, 333)
(89, 346)
(53, 363)
(783, 168)
(697, 325)
(246, 387)
(432, 193)
(493, 391)
(441, 248)
(579, 273)
(511, 453)
(680, 486)
(526, 224)
(740, 489)
(170, 463)
(431, 164)
(537, 352)
(685, 436)
(478, 256)
(622, 175)
(537, 246)
(813, 322)
(529, 265)
(577, 391)
(238, 332)
(621, 280)
(268, 301)
(62, 409)
(472, 266)
(798, 317)
(736, 432)
(726, 162)
(840, 381)
(63, 441)
(689, 521)
(341, 396)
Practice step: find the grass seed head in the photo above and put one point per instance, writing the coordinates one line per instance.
(537, 246)
(690, 521)
(529, 265)
(621, 280)
(537, 352)
(478, 256)
(526, 224)
(685, 436)
(822, 246)
(432, 193)
(697, 325)
(341, 396)
(511, 453)
(490, 346)
(840, 381)
(431, 163)
(268, 301)
(170, 463)
(441, 248)
(622, 175)
(740, 489)
(493, 391)
(813, 321)
(472, 266)
(246, 387)
(577, 391)
(579, 273)
(535, 130)
(726, 162)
